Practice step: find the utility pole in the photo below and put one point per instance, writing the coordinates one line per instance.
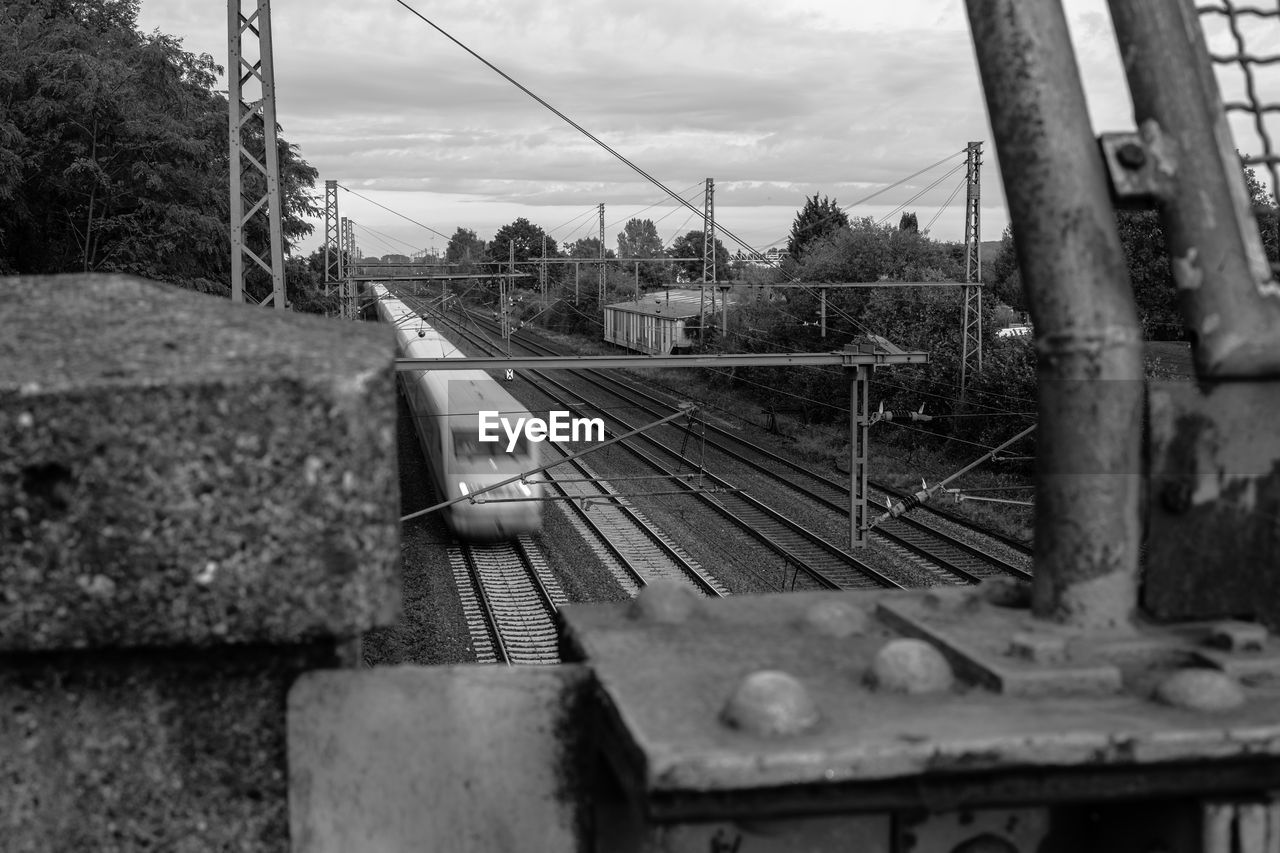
(332, 251)
(859, 440)
(600, 297)
(542, 273)
(348, 256)
(708, 253)
(502, 293)
(971, 331)
(248, 198)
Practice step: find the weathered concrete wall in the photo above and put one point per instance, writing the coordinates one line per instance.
(440, 758)
(197, 503)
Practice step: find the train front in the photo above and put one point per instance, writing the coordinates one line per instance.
(473, 465)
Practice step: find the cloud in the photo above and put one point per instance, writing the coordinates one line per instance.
(775, 101)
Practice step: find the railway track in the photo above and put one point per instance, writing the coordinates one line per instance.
(949, 553)
(627, 542)
(509, 598)
(824, 564)
(947, 557)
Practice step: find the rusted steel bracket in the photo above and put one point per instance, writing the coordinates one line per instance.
(1213, 543)
(767, 707)
(1140, 177)
(1229, 298)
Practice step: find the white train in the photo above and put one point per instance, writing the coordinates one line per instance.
(445, 406)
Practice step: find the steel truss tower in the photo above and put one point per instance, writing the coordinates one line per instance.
(708, 254)
(600, 297)
(248, 197)
(971, 333)
(348, 256)
(332, 248)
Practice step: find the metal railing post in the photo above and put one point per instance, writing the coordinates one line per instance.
(1088, 475)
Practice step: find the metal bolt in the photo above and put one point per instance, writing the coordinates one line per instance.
(910, 666)
(1131, 155)
(837, 619)
(665, 601)
(769, 702)
(1200, 690)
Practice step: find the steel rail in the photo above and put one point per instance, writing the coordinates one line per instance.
(753, 505)
(699, 580)
(486, 606)
(908, 533)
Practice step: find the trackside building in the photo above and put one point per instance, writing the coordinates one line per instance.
(658, 323)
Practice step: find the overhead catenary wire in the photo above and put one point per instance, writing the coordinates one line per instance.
(578, 127)
(946, 203)
(395, 212)
(386, 236)
(721, 229)
(849, 207)
(889, 216)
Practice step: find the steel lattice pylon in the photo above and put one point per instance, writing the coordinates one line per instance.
(600, 298)
(971, 353)
(248, 199)
(708, 252)
(348, 256)
(332, 247)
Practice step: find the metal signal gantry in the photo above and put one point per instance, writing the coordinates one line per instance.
(971, 333)
(248, 197)
(332, 246)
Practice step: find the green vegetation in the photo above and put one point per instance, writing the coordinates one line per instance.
(1147, 258)
(114, 154)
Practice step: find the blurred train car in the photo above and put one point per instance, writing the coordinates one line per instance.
(445, 406)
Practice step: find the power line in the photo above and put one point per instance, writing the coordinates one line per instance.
(959, 186)
(915, 197)
(588, 212)
(621, 158)
(387, 236)
(396, 212)
(849, 207)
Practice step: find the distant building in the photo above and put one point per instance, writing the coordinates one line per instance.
(658, 322)
(1017, 330)
(768, 258)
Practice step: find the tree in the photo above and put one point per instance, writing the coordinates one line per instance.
(639, 239)
(1003, 274)
(908, 222)
(816, 220)
(464, 248)
(866, 251)
(1146, 253)
(113, 150)
(690, 245)
(527, 238)
(587, 247)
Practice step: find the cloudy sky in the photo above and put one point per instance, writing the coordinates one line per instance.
(775, 101)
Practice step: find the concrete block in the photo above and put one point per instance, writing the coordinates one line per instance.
(176, 469)
(439, 758)
(145, 750)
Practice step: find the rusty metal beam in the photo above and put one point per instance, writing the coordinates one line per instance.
(1087, 334)
(1229, 298)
